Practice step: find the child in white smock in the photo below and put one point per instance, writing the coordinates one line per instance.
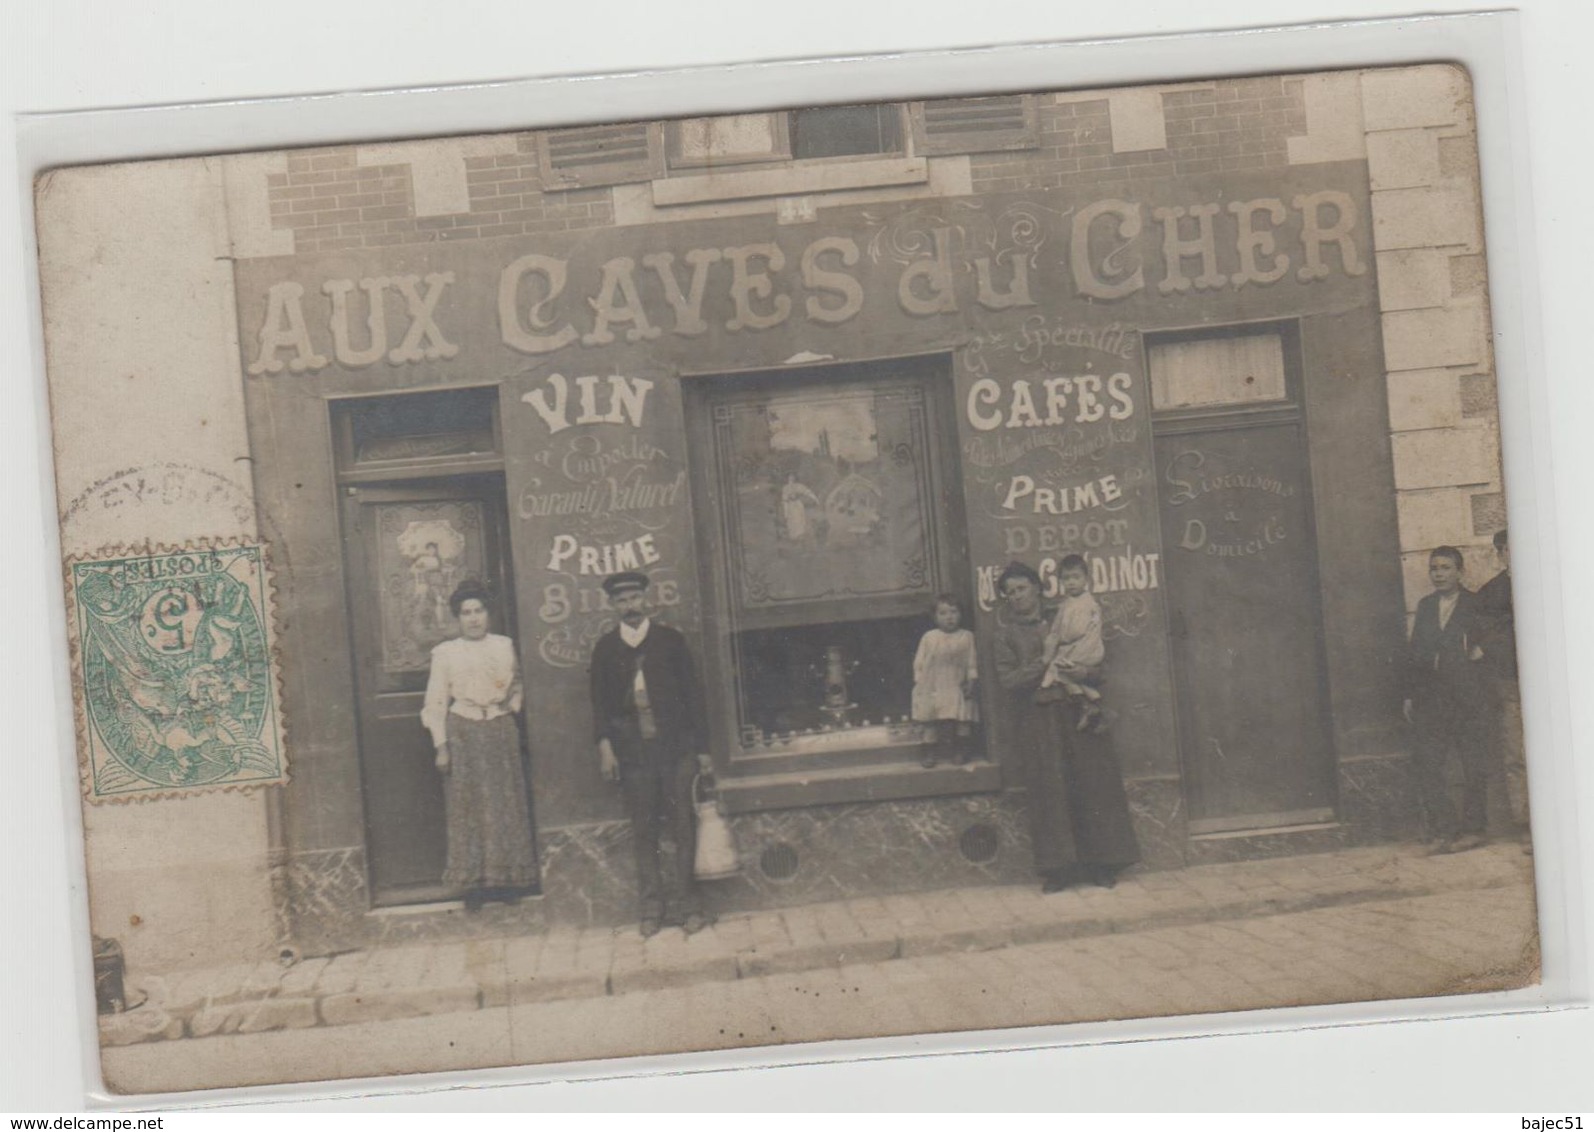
(1074, 647)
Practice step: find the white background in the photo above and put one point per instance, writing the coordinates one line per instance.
(60, 55)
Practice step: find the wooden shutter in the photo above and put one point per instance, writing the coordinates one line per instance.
(586, 156)
(975, 125)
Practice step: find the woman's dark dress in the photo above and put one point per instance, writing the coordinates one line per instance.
(1078, 811)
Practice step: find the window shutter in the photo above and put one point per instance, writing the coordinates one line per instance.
(975, 125)
(587, 156)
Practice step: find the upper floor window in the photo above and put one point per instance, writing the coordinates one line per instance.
(729, 139)
(694, 144)
(633, 152)
(846, 131)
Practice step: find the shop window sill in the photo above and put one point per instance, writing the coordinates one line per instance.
(1292, 821)
(874, 783)
(792, 181)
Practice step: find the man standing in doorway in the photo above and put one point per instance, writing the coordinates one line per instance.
(648, 714)
(1442, 688)
(1497, 636)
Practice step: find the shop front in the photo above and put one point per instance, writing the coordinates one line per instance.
(804, 429)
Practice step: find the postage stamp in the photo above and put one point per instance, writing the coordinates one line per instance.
(175, 672)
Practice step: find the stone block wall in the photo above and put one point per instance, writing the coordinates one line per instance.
(1428, 236)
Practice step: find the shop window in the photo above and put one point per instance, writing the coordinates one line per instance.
(1198, 373)
(830, 528)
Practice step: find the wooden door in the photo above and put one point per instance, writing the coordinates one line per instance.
(407, 546)
(1244, 607)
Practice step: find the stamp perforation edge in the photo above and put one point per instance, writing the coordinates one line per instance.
(264, 594)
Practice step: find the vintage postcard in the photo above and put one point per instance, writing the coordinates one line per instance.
(787, 576)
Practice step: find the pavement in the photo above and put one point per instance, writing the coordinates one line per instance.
(1124, 951)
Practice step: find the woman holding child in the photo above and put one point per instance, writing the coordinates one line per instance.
(1079, 814)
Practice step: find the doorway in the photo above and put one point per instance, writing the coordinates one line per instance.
(1244, 602)
(423, 509)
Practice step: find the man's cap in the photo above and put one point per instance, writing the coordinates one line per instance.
(616, 584)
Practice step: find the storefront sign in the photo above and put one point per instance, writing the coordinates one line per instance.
(1061, 500)
(1236, 524)
(1081, 399)
(625, 400)
(602, 560)
(561, 295)
(629, 362)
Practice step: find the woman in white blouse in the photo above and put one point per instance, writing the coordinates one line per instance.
(472, 697)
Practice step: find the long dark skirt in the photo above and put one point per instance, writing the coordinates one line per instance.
(1078, 810)
(484, 794)
(1040, 743)
(1098, 807)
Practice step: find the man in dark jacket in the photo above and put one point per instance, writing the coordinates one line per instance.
(1497, 636)
(648, 715)
(1442, 689)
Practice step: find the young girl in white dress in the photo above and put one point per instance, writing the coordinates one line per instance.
(944, 676)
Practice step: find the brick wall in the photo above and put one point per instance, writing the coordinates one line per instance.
(1237, 125)
(341, 197)
(336, 198)
(330, 204)
(506, 199)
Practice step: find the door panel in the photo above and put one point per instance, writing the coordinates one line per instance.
(1246, 625)
(408, 547)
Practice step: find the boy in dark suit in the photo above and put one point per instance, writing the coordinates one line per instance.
(649, 716)
(1443, 687)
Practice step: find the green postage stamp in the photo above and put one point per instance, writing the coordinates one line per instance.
(175, 672)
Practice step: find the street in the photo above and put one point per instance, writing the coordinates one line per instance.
(1466, 940)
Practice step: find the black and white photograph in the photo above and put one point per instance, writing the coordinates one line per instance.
(838, 572)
